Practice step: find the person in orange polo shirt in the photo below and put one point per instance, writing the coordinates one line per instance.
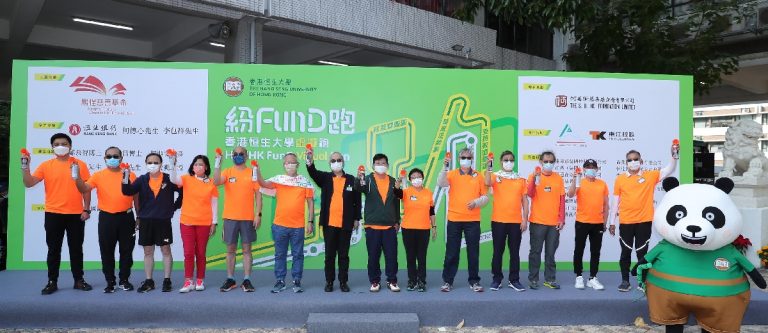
(632, 205)
(66, 209)
(418, 221)
(591, 214)
(509, 219)
(547, 192)
(382, 221)
(240, 219)
(292, 191)
(467, 193)
(340, 214)
(198, 217)
(116, 218)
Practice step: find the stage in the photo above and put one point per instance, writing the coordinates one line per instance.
(22, 306)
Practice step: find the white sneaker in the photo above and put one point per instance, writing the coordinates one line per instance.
(375, 287)
(188, 286)
(579, 283)
(393, 286)
(200, 286)
(595, 284)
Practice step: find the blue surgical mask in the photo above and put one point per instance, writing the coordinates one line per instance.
(238, 159)
(592, 173)
(113, 162)
(549, 166)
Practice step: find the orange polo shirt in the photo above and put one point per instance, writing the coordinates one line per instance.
(196, 207)
(61, 194)
(239, 194)
(383, 187)
(545, 205)
(508, 199)
(108, 186)
(416, 204)
(590, 201)
(463, 189)
(290, 211)
(636, 195)
(156, 183)
(337, 202)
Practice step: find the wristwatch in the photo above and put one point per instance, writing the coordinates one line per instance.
(87, 211)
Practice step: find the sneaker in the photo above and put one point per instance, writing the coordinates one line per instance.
(579, 282)
(228, 285)
(297, 286)
(167, 286)
(110, 288)
(199, 286)
(147, 285)
(393, 286)
(411, 286)
(595, 284)
(625, 286)
(125, 285)
(496, 286)
(552, 284)
(516, 286)
(188, 286)
(328, 287)
(421, 287)
(344, 287)
(50, 288)
(476, 287)
(247, 286)
(279, 287)
(82, 285)
(375, 287)
(446, 287)
(534, 285)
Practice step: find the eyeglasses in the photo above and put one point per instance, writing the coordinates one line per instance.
(112, 156)
(153, 163)
(633, 159)
(238, 154)
(465, 158)
(337, 160)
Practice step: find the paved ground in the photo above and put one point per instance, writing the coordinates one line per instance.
(523, 329)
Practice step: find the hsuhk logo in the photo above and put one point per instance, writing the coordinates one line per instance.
(93, 84)
(233, 86)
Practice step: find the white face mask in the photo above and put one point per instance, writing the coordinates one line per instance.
(61, 150)
(417, 182)
(465, 163)
(337, 166)
(633, 165)
(290, 167)
(153, 168)
(380, 169)
(508, 166)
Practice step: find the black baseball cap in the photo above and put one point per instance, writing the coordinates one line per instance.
(590, 163)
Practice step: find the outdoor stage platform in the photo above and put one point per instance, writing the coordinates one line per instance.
(22, 306)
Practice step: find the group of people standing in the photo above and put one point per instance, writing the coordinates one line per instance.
(147, 203)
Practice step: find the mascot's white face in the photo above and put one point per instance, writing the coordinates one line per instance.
(698, 216)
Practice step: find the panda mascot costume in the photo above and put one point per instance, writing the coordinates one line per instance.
(695, 269)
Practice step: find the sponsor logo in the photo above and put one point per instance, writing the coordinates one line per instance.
(536, 132)
(722, 264)
(107, 101)
(74, 129)
(233, 86)
(536, 86)
(94, 84)
(93, 130)
(612, 135)
(561, 101)
(569, 138)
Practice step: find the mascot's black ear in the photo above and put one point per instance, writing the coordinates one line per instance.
(724, 184)
(669, 183)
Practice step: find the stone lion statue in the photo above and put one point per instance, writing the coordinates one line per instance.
(744, 162)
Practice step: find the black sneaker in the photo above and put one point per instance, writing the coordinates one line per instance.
(82, 285)
(344, 287)
(228, 285)
(411, 286)
(110, 288)
(125, 285)
(247, 286)
(625, 286)
(421, 287)
(279, 287)
(328, 287)
(146, 286)
(297, 286)
(496, 285)
(50, 288)
(167, 286)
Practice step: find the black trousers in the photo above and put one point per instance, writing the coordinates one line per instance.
(56, 225)
(336, 244)
(506, 235)
(416, 242)
(593, 231)
(471, 231)
(637, 235)
(378, 241)
(114, 229)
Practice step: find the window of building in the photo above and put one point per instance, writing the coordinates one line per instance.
(531, 40)
(765, 119)
(715, 147)
(721, 121)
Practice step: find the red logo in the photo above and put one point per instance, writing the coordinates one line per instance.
(561, 101)
(74, 129)
(233, 86)
(93, 84)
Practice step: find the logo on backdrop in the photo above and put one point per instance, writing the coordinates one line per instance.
(569, 138)
(612, 135)
(74, 129)
(233, 86)
(561, 101)
(94, 84)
